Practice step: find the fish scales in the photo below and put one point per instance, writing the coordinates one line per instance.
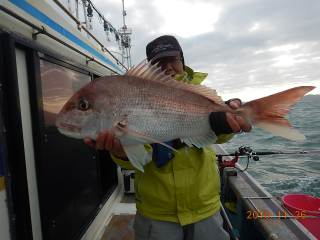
(166, 113)
(140, 110)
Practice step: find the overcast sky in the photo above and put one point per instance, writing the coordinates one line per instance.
(249, 48)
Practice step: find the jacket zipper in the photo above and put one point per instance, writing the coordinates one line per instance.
(218, 172)
(217, 169)
(138, 186)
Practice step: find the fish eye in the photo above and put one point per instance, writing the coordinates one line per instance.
(83, 105)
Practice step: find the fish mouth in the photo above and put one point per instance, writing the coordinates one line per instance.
(68, 127)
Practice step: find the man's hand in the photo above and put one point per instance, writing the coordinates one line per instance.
(238, 122)
(225, 123)
(107, 141)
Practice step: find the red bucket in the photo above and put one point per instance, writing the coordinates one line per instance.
(304, 205)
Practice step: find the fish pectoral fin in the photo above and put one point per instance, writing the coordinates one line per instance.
(201, 141)
(136, 155)
(142, 137)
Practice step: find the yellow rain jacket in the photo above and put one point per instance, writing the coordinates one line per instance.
(186, 189)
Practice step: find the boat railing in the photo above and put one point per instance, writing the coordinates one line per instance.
(43, 30)
(80, 26)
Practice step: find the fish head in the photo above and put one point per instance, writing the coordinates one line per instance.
(87, 112)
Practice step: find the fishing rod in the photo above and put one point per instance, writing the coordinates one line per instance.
(247, 151)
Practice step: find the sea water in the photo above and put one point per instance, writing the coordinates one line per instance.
(282, 174)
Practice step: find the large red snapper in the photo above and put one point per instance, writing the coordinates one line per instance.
(146, 106)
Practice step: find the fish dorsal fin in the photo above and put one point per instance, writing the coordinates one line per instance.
(154, 73)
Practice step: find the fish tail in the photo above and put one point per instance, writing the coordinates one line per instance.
(268, 113)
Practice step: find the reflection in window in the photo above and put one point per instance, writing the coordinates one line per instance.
(58, 85)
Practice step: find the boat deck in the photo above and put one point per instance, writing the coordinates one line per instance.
(259, 214)
(120, 225)
(275, 221)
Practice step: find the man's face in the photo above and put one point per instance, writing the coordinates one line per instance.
(171, 65)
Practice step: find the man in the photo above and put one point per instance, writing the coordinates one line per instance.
(177, 197)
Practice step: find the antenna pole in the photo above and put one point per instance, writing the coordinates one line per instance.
(124, 32)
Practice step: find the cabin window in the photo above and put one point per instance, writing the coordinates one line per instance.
(58, 85)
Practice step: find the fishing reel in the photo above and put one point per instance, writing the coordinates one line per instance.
(244, 150)
(247, 151)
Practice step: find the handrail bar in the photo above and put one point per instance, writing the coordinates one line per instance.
(103, 48)
(42, 30)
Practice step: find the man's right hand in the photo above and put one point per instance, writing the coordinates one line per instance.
(107, 141)
(237, 123)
